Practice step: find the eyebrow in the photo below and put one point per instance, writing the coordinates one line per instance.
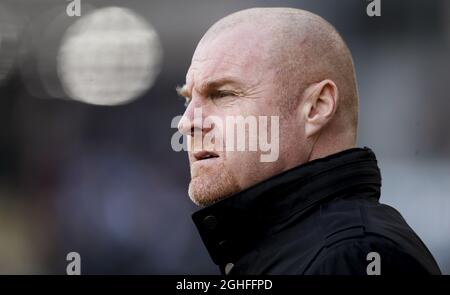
(208, 85)
(183, 91)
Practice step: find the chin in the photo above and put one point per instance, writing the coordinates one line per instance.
(205, 190)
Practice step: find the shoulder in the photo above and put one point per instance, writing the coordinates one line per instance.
(361, 255)
(353, 229)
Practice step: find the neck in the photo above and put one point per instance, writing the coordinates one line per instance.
(326, 144)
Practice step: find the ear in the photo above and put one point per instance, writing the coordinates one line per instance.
(320, 104)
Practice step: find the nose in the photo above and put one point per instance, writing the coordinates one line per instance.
(192, 121)
(186, 124)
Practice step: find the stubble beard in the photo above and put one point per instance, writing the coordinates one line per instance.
(211, 184)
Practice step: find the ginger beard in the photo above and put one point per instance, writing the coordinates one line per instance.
(211, 179)
(214, 178)
(218, 170)
(211, 182)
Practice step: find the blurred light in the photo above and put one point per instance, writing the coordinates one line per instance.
(109, 57)
(39, 48)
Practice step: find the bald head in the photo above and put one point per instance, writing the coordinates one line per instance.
(304, 48)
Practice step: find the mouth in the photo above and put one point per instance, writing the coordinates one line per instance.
(205, 155)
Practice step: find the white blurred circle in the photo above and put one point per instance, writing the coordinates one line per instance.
(109, 57)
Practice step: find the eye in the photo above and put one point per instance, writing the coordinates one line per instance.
(221, 94)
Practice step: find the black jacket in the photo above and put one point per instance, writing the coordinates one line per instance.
(322, 217)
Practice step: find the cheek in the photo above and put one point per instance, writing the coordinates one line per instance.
(292, 131)
(243, 166)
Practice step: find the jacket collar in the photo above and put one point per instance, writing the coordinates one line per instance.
(230, 227)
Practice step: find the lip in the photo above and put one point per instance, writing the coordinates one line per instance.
(205, 155)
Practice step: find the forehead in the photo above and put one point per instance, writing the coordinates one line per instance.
(240, 52)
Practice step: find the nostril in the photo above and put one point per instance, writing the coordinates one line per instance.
(184, 126)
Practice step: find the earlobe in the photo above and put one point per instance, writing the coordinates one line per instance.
(320, 106)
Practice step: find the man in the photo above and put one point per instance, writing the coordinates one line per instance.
(315, 209)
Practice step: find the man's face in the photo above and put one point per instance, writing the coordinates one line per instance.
(230, 75)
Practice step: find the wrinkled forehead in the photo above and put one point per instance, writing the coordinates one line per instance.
(239, 52)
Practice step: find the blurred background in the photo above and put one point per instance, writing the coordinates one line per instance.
(86, 104)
